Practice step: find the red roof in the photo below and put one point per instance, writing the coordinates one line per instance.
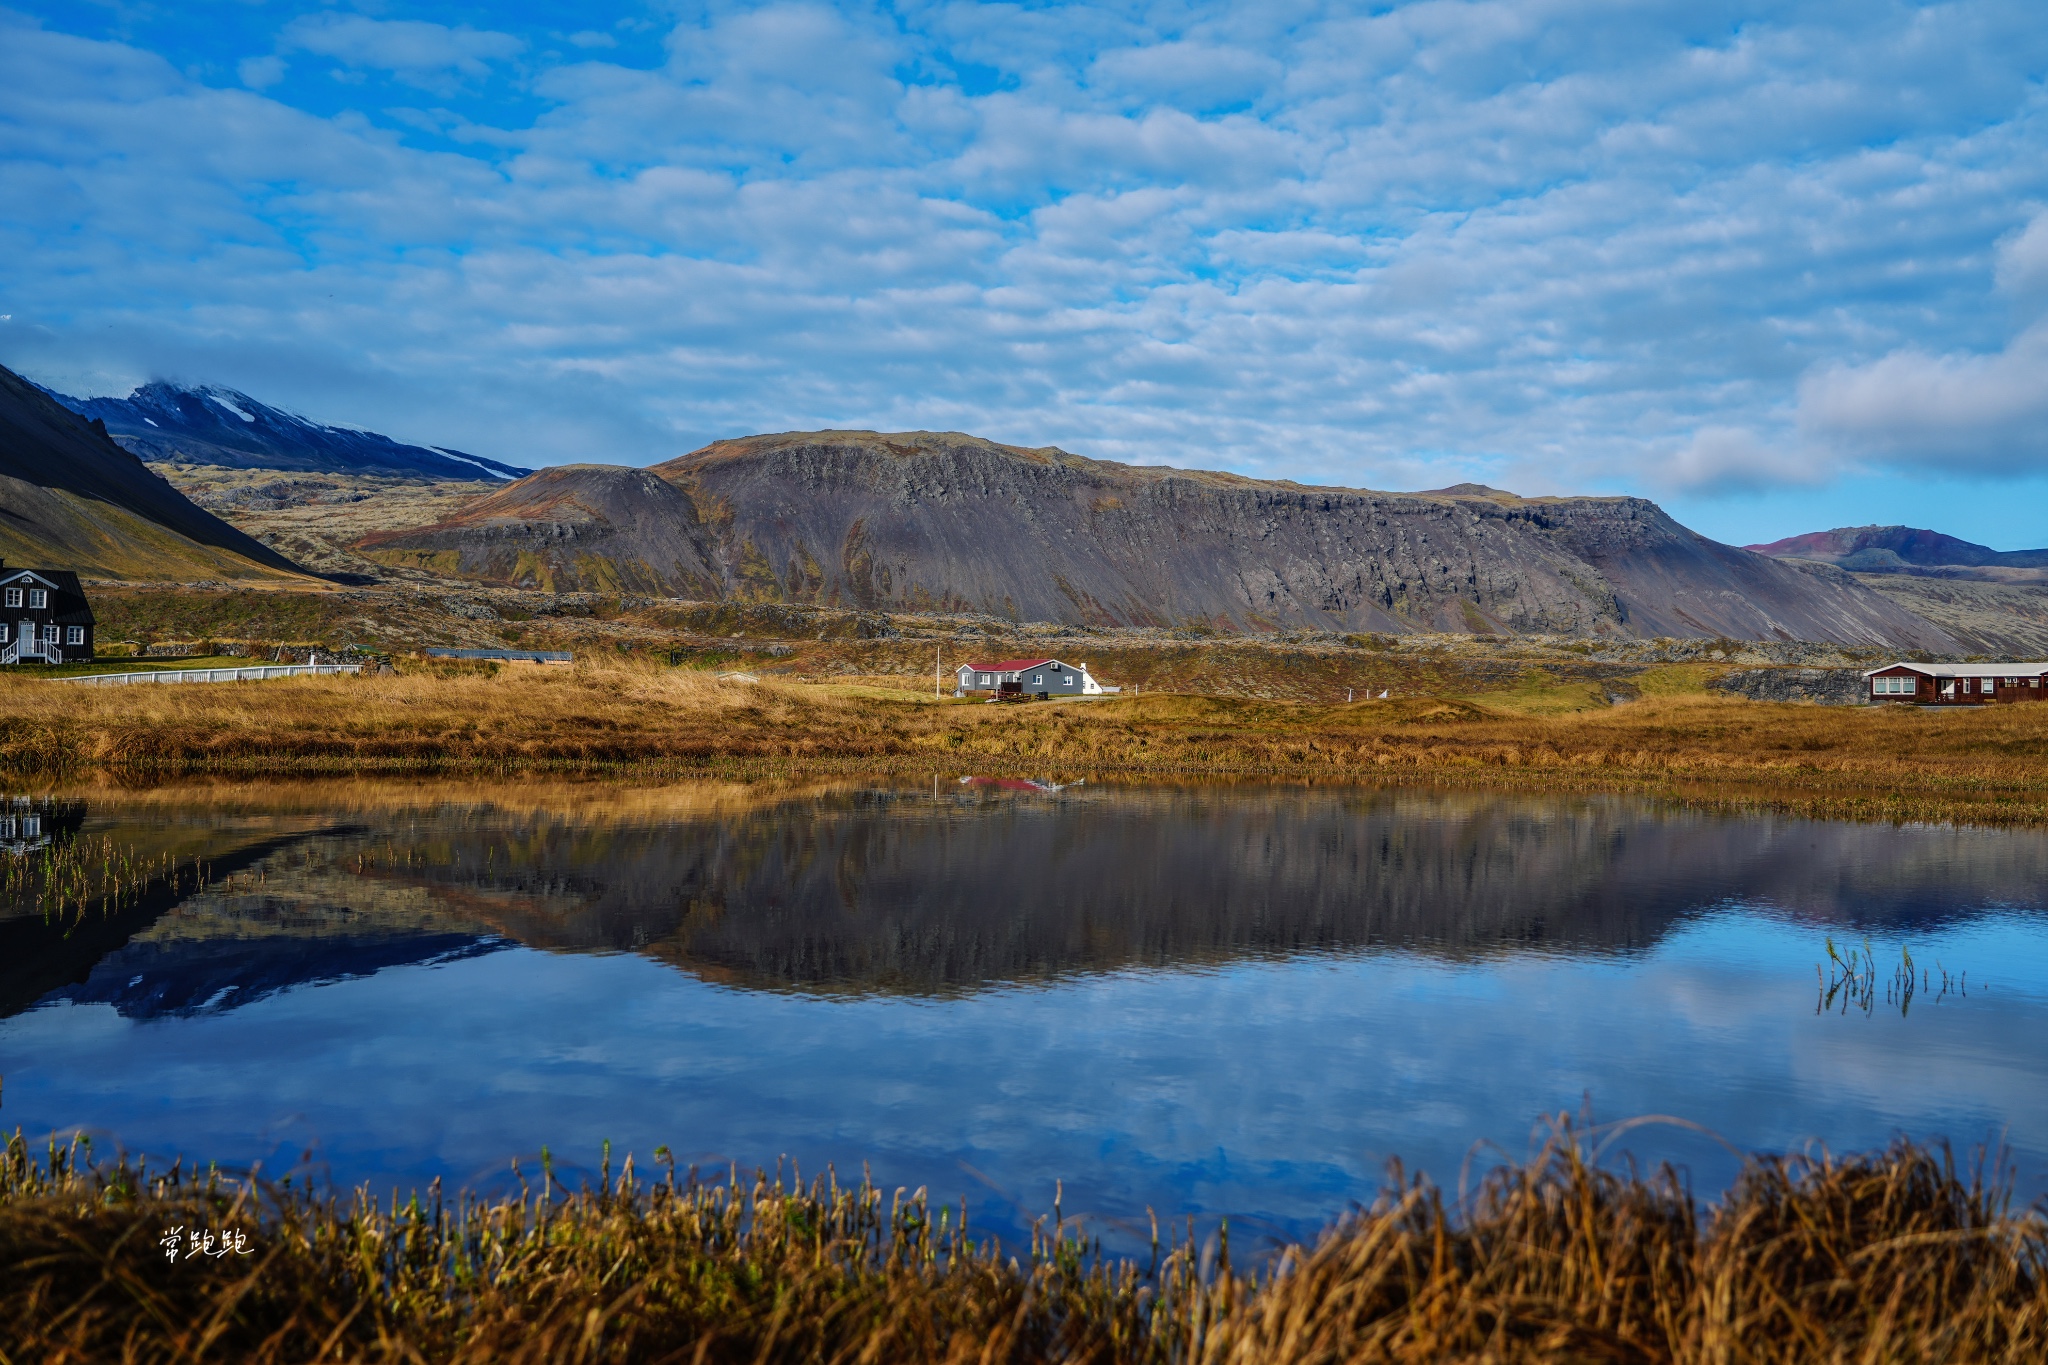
(1009, 665)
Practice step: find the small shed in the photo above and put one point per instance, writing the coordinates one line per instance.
(1986, 684)
(1041, 678)
(45, 617)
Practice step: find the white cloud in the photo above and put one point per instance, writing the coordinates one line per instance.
(1195, 76)
(1962, 412)
(2023, 265)
(1735, 460)
(1967, 414)
(413, 51)
(1526, 241)
(260, 73)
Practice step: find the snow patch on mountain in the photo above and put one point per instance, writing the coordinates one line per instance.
(213, 425)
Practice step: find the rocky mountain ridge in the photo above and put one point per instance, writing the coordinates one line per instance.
(73, 499)
(925, 521)
(211, 425)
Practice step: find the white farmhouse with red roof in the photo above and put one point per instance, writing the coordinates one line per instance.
(1041, 678)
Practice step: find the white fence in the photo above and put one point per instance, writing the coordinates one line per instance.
(199, 675)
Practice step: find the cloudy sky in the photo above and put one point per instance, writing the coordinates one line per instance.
(1781, 266)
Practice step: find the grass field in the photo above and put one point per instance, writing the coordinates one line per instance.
(1891, 1256)
(1896, 763)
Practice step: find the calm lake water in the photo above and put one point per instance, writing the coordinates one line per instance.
(1209, 1001)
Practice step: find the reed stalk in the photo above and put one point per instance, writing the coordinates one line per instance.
(1887, 1256)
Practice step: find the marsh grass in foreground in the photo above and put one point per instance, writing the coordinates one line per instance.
(1891, 1256)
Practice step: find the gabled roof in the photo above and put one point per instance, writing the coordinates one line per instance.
(63, 580)
(1009, 665)
(1989, 670)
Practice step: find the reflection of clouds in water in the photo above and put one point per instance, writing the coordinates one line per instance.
(1163, 1051)
(1272, 1091)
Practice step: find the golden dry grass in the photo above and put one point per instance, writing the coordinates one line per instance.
(1986, 764)
(1891, 1256)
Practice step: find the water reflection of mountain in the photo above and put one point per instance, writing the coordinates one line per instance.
(185, 943)
(43, 953)
(896, 892)
(146, 980)
(911, 894)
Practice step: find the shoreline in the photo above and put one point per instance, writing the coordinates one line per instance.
(1999, 809)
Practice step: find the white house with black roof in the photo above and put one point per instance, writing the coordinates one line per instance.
(1042, 678)
(44, 617)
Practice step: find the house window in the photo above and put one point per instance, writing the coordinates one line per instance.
(3, 634)
(37, 599)
(14, 597)
(50, 635)
(74, 635)
(2012, 682)
(1894, 687)
(1038, 681)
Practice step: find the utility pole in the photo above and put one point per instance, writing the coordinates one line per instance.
(937, 651)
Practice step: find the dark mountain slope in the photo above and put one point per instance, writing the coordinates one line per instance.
(1882, 549)
(217, 426)
(72, 499)
(573, 527)
(924, 521)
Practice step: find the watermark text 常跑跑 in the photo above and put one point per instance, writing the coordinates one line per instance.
(186, 1243)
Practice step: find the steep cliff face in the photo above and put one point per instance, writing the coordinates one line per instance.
(942, 521)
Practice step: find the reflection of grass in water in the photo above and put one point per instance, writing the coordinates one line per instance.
(69, 877)
(1889, 1256)
(1852, 979)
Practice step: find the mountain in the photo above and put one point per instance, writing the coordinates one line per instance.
(943, 521)
(1897, 549)
(72, 499)
(1994, 602)
(216, 426)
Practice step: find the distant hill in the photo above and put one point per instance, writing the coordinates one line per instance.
(1897, 549)
(72, 499)
(944, 521)
(217, 426)
(1995, 602)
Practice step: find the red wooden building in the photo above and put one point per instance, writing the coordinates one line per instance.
(1958, 684)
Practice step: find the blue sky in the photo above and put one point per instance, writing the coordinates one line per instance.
(1780, 266)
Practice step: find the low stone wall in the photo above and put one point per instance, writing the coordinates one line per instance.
(1827, 686)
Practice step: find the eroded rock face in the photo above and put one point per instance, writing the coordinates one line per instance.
(1827, 686)
(942, 521)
